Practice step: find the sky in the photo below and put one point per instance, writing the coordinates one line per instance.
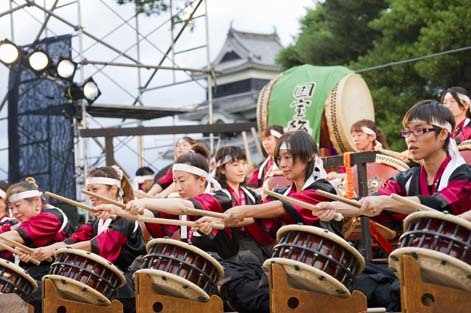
(101, 17)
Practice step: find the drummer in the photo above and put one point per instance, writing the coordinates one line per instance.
(367, 136)
(164, 185)
(193, 184)
(245, 287)
(230, 172)
(270, 136)
(442, 182)
(118, 240)
(144, 179)
(40, 224)
(457, 100)
(5, 219)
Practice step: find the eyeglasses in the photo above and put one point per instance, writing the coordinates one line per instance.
(417, 132)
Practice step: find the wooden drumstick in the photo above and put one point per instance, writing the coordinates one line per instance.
(338, 198)
(16, 252)
(167, 221)
(246, 147)
(188, 211)
(69, 201)
(413, 204)
(337, 216)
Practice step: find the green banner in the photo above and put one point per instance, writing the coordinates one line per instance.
(297, 99)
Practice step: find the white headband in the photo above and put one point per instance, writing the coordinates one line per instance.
(227, 159)
(198, 172)
(3, 194)
(142, 179)
(284, 146)
(462, 97)
(103, 181)
(24, 195)
(275, 133)
(368, 131)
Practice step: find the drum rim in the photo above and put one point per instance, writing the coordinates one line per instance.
(170, 276)
(58, 278)
(18, 269)
(95, 257)
(326, 234)
(315, 271)
(341, 138)
(438, 215)
(192, 248)
(393, 162)
(465, 145)
(427, 253)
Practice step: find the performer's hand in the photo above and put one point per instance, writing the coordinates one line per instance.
(136, 207)
(372, 205)
(205, 225)
(325, 211)
(105, 211)
(235, 215)
(43, 253)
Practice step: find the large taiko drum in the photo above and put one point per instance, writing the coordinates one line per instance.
(14, 279)
(441, 245)
(181, 270)
(325, 101)
(317, 260)
(84, 276)
(465, 150)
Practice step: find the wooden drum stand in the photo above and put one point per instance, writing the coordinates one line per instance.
(147, 300)
(12, 303)
(52, 303)
(285, 299)
(419, 296)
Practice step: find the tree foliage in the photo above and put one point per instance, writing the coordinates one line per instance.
(400, 30)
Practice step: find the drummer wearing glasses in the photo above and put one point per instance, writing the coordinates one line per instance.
(442, 182)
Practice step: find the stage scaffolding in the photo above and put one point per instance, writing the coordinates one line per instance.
(98, 54)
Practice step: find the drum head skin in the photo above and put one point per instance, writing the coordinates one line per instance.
(173, 285)
(436, 267)
(349, 102)
(305, 277)
(71, 289)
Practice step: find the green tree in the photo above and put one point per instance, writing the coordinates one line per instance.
(413, 29)
(334, 33)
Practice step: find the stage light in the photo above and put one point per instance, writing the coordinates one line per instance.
(39, 61)
(9, 53)
(88, 90)
(66, 68)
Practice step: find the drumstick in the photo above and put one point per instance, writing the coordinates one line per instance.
(337, 216)
(188, 211)
(166, 221)
(16, 252)
(69, 201)
(338, 198)
(413, 204)
(246, 147)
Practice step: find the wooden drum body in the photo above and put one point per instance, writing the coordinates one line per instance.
(323, 100)
(84, 276)
(316, 260)
(14, 279)
(181, 270)
(441, 245)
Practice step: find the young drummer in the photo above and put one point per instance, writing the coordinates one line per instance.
(193, 184)
(118, 240)
(442, 181)
(39, 224)
(296, 154)
(231, 171)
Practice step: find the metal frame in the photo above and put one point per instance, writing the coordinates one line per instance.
(52, 13)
